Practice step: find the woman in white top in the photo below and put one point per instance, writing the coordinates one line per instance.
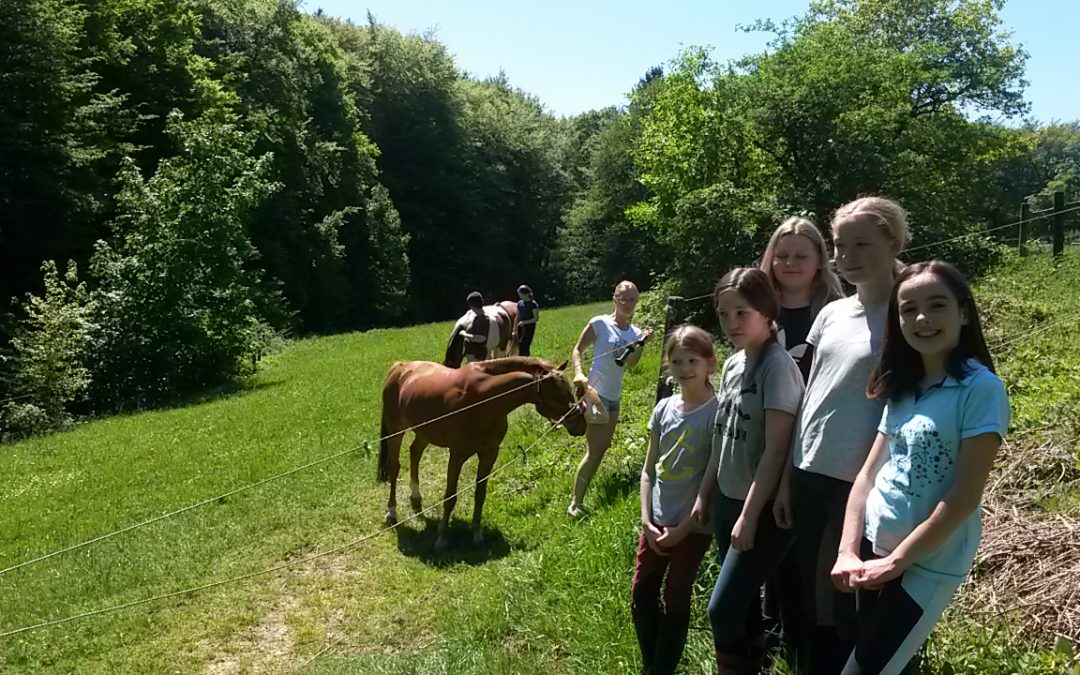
(609, 335)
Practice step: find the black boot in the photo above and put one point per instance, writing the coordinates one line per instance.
(670, 641)
(646, 625)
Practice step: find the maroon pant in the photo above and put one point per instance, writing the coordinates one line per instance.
(681, 565)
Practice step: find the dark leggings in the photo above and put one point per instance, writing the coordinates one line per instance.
(735, 607)
(895, 621)
(818, 503)
(528, 330)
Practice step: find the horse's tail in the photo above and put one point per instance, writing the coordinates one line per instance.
(389, 399)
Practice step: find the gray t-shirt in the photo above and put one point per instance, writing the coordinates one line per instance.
(837, 424)
(739, 433)
(683, 441)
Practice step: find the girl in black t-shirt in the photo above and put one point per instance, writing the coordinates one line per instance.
(798, 266)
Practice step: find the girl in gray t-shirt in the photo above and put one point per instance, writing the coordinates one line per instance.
(837, 423)
(759, 395)
(671, 542)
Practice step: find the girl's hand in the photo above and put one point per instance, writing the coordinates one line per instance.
(742, 535)
(700, 512)
(876, 573)
(781, 507)
(581, 380)
(673, 535)
(847, 568)
(652, 536)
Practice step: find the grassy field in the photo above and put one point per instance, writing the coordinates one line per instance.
(544, 594)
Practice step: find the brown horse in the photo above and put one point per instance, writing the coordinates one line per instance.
(418, 391)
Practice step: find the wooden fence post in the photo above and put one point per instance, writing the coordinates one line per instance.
(1025, 217)
(1059, 223)
(664, 386)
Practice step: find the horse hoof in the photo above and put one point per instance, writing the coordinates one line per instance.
(440, 545)
(391, 517)
(416, 504)
(478, 537)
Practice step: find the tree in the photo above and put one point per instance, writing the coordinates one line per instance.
(174, 310)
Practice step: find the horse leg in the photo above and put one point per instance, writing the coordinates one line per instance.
(393, 468)
(416, 451)
(485, 461)
(453, 472)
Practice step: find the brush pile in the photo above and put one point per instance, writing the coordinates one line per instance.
(1028, 566)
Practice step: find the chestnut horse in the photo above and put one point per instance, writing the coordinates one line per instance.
(503, 318)
(418, 391)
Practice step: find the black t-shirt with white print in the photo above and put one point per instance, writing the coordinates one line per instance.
(794, 326)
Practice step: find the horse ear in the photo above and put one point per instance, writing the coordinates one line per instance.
(562, 366)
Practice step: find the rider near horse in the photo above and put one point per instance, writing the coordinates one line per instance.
(476, 335)
(493, 323)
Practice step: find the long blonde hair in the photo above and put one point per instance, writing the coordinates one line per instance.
(890, 217)
(826, 285)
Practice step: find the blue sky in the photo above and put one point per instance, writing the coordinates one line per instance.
(585, 54)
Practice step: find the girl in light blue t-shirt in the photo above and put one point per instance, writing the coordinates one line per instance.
(913, 522)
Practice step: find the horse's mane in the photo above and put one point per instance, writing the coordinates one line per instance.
(513, 364)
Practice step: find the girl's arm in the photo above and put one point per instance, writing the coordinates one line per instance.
(973, 465)
(848, 561)
(778, 426)
(703, 503)
(584, 341)
(648, 476)
(534, 319)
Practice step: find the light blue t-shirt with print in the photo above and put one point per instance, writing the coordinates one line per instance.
(925, 433)
(684, 445)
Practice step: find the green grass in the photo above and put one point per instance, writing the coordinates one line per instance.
(545, 594)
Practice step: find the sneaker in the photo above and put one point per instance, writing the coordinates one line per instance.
(575, 511)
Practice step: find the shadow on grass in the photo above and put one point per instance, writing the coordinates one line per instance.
(614, 487)
(420, 544)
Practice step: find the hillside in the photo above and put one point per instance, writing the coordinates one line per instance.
(545, 594)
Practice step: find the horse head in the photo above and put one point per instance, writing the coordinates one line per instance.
(556, 400)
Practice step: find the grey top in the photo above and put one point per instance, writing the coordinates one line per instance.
(739, 433)
(683, 442)
(837, 424)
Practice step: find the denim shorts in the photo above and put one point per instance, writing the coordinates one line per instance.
(613, 407)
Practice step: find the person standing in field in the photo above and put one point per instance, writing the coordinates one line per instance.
(610, 336)
(672, 543)
(837, 422)
(913, 521)
(797, 264)
(759, 396)
(528, 315)
(476, 333)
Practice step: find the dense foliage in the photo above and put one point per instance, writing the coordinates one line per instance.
(223, 170)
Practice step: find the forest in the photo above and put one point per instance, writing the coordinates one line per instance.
(185, 183)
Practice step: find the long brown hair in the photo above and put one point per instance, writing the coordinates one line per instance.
(754, 287)
(901, 366)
